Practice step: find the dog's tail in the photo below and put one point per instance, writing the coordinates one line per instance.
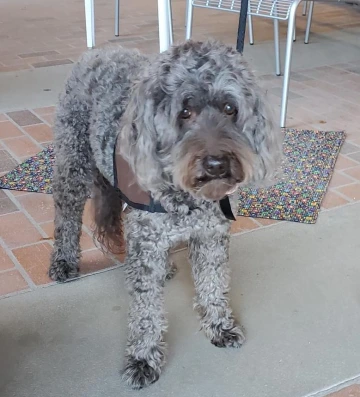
(108, 215)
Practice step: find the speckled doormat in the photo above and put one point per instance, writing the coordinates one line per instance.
(33, 175)
(311, 157)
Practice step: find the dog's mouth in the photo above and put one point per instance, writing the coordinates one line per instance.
(215, 185)
(211, 177)
(215, 188)
(202, 180)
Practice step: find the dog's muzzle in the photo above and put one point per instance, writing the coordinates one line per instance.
(216, 167)
(222, 169)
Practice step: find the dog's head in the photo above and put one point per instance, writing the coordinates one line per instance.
(198, 122)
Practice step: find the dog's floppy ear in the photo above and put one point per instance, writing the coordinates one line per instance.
(263, 133)
(256, 117)
(267, 135)
(139, 136)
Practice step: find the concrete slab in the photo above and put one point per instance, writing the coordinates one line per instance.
(323, 49)
(295, 287)
(31, 88)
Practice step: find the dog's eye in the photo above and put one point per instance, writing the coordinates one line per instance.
(229, 109)
(185, 113)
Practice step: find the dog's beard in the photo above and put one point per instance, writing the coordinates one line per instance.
(215, 189)
(246, 168)
(190, 176)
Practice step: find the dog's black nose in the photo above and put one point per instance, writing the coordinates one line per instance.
(216, 167)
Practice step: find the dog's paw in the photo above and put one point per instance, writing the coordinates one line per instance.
(171, 270)
(139, 374)
(61, 271)
(233, 337)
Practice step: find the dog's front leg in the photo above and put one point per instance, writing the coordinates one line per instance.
(209, 256)
(146, 268)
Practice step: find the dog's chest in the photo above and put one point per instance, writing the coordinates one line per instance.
(166, 230)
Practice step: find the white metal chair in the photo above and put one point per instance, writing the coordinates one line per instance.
(309, 19)
(273, 9)
(164, 18)
(166, 7)
(307, 34)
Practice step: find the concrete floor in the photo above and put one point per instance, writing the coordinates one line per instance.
(296, 290)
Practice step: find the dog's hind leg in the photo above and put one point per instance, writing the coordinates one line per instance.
(209, 255)
(145, 274)
(71, 187)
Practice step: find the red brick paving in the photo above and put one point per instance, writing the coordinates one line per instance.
(350, 391)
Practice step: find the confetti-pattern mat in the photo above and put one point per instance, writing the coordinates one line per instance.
(311, 157)
(33, 175)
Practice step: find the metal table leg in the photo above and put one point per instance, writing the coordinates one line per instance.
(242, 26)
(117, 17)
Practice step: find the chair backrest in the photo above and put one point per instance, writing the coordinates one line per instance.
(223, 5)
(275, 9)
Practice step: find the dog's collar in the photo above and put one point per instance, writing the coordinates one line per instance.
(134, 196)
(225, 207)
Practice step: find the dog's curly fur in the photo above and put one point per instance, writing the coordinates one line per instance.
(118, 94)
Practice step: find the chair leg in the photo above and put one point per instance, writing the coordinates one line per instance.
(308, 24)
(294, 35)
(277, 47)
(189, 19)
(251, 32)
(117, 17)
(90, 23)
(287, 66)
(164, 24)
(304, 10)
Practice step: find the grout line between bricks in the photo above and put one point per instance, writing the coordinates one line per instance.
(342, 172)
(350, 158)
(278, 222)
(41, 118)
(17, 264)
(31, 244)
(6, 270)
(28, 216)
(22, 292)
(21, 128)
(349, 199)
(257, 222)
(13, 155)
(25, 193)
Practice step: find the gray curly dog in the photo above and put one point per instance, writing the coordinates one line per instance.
(192, 125)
